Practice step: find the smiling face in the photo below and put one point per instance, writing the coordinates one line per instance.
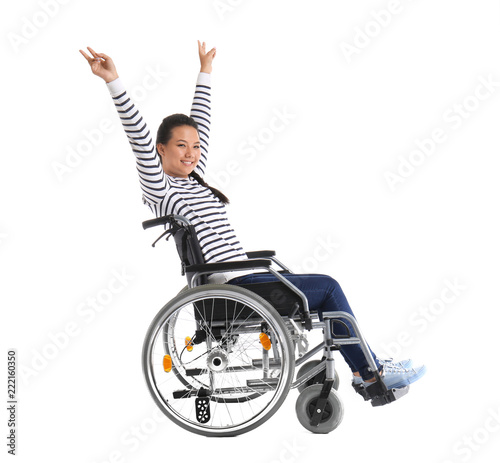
(182, 152)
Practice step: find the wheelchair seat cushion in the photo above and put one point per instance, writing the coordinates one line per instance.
(277, 294)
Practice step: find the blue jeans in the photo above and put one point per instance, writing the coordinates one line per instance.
(324, 294)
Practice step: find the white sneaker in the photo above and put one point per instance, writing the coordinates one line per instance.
(395, 377)
(406, 364)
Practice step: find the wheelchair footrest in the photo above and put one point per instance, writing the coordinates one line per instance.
(267, 384)
(379, 394)
(390, 396)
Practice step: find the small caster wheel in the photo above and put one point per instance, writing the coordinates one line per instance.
(318, 379)
(306, 407)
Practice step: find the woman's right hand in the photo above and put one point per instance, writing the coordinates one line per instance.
(102, 65)
(206, 58)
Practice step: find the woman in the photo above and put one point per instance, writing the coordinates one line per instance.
(171, 176)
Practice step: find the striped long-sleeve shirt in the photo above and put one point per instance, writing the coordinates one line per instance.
(165, 194)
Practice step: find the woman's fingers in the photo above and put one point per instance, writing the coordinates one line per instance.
(102, 55)
(97, 57)
(101, 65)
(94, 54)
(203, 52)
(206, 58)
(87, 57)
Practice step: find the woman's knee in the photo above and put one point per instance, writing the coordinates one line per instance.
(330, 281)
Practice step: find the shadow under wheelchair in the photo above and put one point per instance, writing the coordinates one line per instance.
(219, 360)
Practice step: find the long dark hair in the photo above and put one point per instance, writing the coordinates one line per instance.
(165, 134)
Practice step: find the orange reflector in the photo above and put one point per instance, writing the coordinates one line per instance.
(167, 363)
(265, 341)
(189, 344)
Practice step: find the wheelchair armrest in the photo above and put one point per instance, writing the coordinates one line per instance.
(260, 254)
(228, 266)
(271, 255)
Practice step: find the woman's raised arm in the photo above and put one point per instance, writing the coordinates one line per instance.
(151, 175)
(200, 109)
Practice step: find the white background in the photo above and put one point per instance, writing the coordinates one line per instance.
(354, 117)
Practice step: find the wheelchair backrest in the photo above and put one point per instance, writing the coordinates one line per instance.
(187, 245)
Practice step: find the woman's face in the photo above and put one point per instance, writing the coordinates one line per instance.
(182, 153)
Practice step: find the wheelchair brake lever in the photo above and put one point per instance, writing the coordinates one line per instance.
(161, 236)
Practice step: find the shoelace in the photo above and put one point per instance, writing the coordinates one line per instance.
(394, 368)
(391, 362)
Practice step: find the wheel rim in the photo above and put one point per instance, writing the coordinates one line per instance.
(224, 367)
(327, 412)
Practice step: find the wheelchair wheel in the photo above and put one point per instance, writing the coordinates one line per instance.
(218, 360)
(306, 407)
(318, 379)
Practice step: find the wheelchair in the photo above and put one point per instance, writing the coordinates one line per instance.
(220, 359)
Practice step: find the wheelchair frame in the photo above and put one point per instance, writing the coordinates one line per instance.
(318, 407)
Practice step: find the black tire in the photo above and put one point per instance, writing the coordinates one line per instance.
(305, 407)
(257, 312)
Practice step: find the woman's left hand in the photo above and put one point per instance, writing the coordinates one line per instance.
(206, 58)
